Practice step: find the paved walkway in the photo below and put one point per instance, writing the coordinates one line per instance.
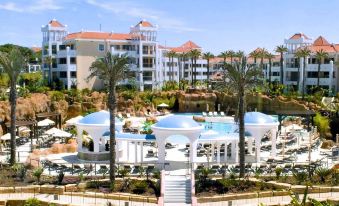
(270, 200)
(73, 200)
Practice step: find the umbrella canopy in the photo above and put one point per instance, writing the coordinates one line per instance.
(7, 137)
(55, 132)
(45, 123)
(163, 105)
(74, 120)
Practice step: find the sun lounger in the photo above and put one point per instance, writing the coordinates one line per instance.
(128, 115)
(204, 114)
(120, 116)
(215, 114)
(210, 114)
(222, 114)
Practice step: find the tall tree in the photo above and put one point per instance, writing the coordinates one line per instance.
(320, 55)
(183, 56)
(262, 54)
(171, 55)
(241, 79)
(224, 56)
(230, 54)
(303, 53)
(269, 56)
(195, 54)
(111, 69)
(281, 50)
(208, 56)
(12, 64)
(255, 55)
(49, 61)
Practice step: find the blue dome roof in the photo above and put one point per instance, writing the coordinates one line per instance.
(101, 117)
(177, 121)
(258, 118)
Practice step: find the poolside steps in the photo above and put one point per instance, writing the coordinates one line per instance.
(177, 190)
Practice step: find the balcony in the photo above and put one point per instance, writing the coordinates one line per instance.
(64, 53)
(64, 67)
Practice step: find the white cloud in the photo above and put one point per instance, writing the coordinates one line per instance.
(135, 10)
(35, 6)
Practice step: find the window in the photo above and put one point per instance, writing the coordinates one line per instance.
(62, 61)
(101, 47)
(54, 49)
(73, 74)
(275, 74)
(73, 60)
(63, 75)
(62, 47)
(312, 74)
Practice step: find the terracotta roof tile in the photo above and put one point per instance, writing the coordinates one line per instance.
(144, 24)
(98, 35)
(321, 41)
(299, 35)
(36, 49)
(186, 47)
(55, 23)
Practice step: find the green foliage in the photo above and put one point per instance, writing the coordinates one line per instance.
(32, 202)
(318, 203)
(4, 80)
(322, 173)
(140, 187)
(19, 170)
(170, 86)
(60, 177)
(146, 127)
(299, 176)
(164, 98)
(278, 171)
(123, 172)
(128, 94)
(31, 79)
(37, 173)
(257, 172)
(295, 199)
(56, 96)
(322, 124)
(81, 176)
(23, 92)
(146, 97)
(156, 174)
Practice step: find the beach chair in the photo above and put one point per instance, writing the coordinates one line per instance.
(215, 114)
(210, 114)
(150, 153)
(204, 114)
(128, 115)
(222, 114)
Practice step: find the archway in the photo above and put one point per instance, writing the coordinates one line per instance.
(177, 155)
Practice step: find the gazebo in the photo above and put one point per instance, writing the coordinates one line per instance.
(96, 125)
(258, 124)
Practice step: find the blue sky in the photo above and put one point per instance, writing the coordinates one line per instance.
(215, 25)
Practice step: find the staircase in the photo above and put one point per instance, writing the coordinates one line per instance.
(177, 189)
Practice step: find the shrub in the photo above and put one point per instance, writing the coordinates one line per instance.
(278, 172)
(140, 187)
(299, 176)
(322, 124)
(32, 202)
(156, 174)
(123, 172)
(322, 173)
(37, 173)
(60, 177)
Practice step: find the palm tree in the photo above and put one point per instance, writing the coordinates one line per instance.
(241, 80)
(262, 54)
(171, 55)
(240, 55)
(195, 54)
(208, 56)
(111, 69)
(303, 52)
(231, 54)
(12, 64)
(320, 55)
(254, 54)
(49, 61)
(224, 56)
(182, 56)
(269, 56)
(281, 50)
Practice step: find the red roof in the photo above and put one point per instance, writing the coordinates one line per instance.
(321, 41)
(144, 24)
(55, 23)
(36, 49)
(299, 35)
(98, 35)
(186, 47)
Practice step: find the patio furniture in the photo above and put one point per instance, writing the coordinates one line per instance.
(210, 114)
(204, 114)
(222, 114)
(215, 114)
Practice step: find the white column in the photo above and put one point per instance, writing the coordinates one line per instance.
(96, 144)
(250, 145)
(127, 143)
(274, 142)
(141, 80)
(79, 139)
(257, 148)
(233, 152)
(331, 77)
(212, 151)
(117, 153)
(218, 153)
(301, 76)
(161, 152)
(193, 151)
(236, 151)
(141, 152)
(136, 152)
(68, 61)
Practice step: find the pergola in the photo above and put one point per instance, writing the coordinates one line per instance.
(31, 124)
(51, 115)
(308, 114)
